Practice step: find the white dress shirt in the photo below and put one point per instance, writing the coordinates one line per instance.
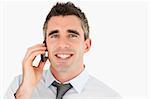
(84, 87)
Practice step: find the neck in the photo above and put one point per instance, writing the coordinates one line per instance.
(66, 75)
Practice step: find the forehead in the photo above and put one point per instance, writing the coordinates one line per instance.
(64, 22)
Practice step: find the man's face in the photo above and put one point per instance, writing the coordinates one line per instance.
(65, 43)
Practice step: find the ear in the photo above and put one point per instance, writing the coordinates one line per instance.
(87, 45)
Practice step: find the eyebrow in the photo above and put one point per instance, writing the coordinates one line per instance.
(69, 31)
(52, 32)
(73, 31)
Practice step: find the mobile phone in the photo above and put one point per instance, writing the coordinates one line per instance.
(45, 55)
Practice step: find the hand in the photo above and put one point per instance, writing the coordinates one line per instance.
(31, 74)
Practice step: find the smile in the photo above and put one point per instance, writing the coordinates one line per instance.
(64, 56)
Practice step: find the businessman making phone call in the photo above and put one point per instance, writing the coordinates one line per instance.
(66, 33)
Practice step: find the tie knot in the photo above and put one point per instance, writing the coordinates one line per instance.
(58, 85)
(61, 89)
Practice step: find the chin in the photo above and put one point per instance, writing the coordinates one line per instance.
(62, 69)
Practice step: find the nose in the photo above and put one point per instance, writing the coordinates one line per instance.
(63, 43)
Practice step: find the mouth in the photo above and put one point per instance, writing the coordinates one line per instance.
(63, 56)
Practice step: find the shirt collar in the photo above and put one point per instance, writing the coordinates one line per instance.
(49, 78)
(78, 82)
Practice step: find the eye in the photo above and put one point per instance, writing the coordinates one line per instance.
(72, 36)
(54, 36)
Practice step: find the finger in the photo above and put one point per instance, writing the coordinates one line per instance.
(33, 49)
(36, 47)
(33, 55)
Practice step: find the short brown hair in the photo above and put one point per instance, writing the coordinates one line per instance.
(65, 9)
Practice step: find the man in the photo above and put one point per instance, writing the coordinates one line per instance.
(66, 33)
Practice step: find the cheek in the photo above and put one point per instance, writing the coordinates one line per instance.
(80, 48)
(50, 43)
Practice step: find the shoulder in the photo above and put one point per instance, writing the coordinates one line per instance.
(16, 82)
(11, 90)
(18, 79)
(100, 89)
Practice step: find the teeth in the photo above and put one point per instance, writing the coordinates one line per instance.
(63, 56)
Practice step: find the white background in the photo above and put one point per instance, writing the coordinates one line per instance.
(120, 34)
